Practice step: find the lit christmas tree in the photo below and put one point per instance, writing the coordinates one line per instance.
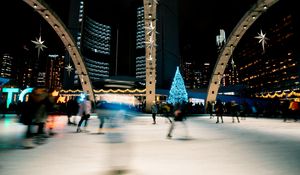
(177, 92)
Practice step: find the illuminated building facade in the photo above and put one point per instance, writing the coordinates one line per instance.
(6, 66)
(19, 70)
(41, 79)
(231, 75)
(195, 76)
(96, 39)
(205, 74)
(93, 39)
(140, 69)
(24, 70)
(55, 72)
(27, 76)
(188, 74)
(277, 68)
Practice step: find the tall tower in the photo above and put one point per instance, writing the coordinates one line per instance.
(150, 37)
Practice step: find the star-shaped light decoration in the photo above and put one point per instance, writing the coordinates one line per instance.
(262, 39)
(150, 29)
(151, 43)
(69, 68)
(39, 45)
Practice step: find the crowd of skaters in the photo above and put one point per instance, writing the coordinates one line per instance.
(44, 104)
(34, 114)
(36, 111)
(264, 108)
(285, 109)
(41, 103)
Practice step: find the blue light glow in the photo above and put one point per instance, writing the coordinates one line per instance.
(24, 93)
(177, 92)
(10, 92)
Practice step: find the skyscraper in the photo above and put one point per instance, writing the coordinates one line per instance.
(95, 48)
(140, 69)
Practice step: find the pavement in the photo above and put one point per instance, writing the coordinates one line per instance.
(252, 147)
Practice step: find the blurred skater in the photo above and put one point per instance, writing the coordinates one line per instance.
(102, 114)
(35, 112)
(118, 117)
(85, 109)
(179, 116)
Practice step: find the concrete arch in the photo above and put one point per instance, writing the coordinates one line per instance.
(62, 31)
(240, 29)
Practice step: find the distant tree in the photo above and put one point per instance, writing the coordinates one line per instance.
(177, 93)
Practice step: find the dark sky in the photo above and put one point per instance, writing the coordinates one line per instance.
(20, 25)
(199, 23)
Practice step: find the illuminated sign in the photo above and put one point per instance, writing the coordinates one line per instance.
(11, 91)
(61, 100)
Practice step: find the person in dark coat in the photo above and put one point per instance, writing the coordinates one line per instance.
(209, 109)
(179, 116)
(235, 109)
(154, 111)
(35, 112)
(72, 109)
(219, 110)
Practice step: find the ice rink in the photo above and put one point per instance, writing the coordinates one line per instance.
(253, 147)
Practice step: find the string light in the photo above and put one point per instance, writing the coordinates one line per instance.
(107, 91)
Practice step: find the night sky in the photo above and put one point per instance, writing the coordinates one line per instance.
(20, 25)
(199, 22)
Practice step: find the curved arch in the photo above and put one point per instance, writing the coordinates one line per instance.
(240, 29)
(43, 9)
